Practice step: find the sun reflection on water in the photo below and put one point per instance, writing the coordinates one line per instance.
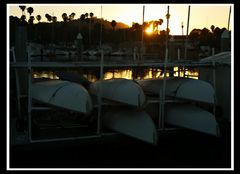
(128, 74)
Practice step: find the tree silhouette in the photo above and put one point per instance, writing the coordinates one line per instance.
(49, 17)
(31, 19)
(71, 16)
(22, 7)
(91, 15)
(113, 24)
(54, 19)
(160, 21)
(30, 10)
(82, 17)
(212, 28)
(65, 17)
(23, 20)
(38, 17)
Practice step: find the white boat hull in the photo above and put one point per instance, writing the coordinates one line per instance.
(63, 94)
(131, 122)
(192, 117)
(183, 88)
(120, 90)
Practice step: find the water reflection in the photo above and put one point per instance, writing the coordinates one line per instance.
(147, 73)
(45, 74)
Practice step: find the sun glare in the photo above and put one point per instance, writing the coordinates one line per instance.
(149, 30)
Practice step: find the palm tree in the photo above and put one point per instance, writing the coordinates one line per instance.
(38, 17)
(91, 15)
(31, 19)
(23, 19)
(54, 19)
(22, 7)
(71, 16)
(49, 17)
(82, 17)
(113, 24)
(160, 21)
(65, 17)
(30, 10)
(155, 26)
(212, 28)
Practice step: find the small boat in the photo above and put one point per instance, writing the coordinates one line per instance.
(120, 90)
(192, 117)
(63, 94)
(182, 88)
(131, 122)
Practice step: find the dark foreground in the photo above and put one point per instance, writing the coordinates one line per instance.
(175, 149)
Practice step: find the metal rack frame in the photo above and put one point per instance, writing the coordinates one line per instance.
(30, 65)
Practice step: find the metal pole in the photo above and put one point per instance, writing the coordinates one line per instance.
(65, 139)
(99, 123)
(17, 85)
(186, 41)
(162, 92)
(29, 98)
(229, 17)
(213, 51)
(142, 33)
(89, 27)
(100, 42)
(214, 87)
(178, 54)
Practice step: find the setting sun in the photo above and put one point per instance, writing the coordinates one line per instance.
(149, 30)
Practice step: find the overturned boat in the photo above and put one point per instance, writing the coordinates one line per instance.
(131, 122)
(119, 90)
(63, 94)
(182, 88)
(192, 117)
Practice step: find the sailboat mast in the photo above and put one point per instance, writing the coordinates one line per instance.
(99, 98)
(187, 32)
(229, 17)
(163, 90)
(142, 32)
(100, 40)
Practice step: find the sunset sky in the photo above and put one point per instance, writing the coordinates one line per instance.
(202, 15)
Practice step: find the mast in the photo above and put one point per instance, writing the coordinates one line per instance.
(162, 91)
(229, 17)
(99, 119)
(142, 33)
(100, 40)
(186, 41)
